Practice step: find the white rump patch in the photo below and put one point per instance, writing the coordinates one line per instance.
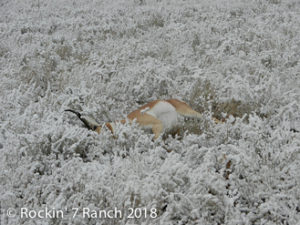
(165, 112)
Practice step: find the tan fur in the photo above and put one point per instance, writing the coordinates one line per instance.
(184, 109)
(146, 120)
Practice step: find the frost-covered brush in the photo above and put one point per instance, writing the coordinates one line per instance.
(158, 115)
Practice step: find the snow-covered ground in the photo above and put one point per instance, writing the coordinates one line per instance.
(237, 59)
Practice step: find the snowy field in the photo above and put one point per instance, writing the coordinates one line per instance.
(233, 59)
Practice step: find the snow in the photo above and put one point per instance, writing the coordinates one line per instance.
(235, 59)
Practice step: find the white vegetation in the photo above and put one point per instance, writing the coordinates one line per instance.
(106, 58)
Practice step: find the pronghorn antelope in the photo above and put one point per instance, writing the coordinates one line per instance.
(158, 115)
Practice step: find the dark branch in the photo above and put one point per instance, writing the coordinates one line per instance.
(86, 123)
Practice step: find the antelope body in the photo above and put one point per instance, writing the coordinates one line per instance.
(158, 115)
